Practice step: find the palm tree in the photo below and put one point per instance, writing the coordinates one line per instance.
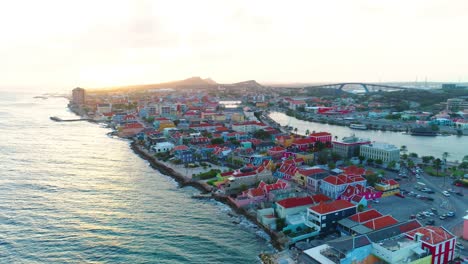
(437, 165)
(295, 130)
(404, 149)
(307, 132)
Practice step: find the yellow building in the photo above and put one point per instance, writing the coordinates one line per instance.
(237, 117)
(284, 141)
(388, 187)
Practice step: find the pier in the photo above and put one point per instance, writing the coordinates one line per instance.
(58, 119)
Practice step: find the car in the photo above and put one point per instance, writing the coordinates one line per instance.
(397, 179)
(446, 194)
(404, 176)
(430, 192)
(418, 196)
(451, 214)
(442, 217)
(418, 177)
(459, 193)
(430, 222)
(460, 245)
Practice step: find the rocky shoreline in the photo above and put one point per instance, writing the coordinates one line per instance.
(204, 188)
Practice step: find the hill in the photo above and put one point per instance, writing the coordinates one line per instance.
(194, 82)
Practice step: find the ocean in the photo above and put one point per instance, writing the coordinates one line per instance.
(71, 194)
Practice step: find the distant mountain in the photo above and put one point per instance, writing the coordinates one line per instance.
(195, 82)
(247, 84)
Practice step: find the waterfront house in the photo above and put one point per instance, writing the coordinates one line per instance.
(324, 216)
(293, 205)
(162, 147)
(129, 129)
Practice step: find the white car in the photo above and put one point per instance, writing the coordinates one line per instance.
(446, 194)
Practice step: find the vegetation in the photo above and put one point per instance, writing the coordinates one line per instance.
(372, 179)
(217, 141)
(261, 134)
(207, 175)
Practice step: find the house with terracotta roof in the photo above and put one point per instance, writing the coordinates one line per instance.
(303, 144)
(288, 168)
(380, 222)
(388, 187)
(358, 190)
(260, 193)
(248, 175)
(334, 185)
(315, 174)
(284, 140)
(324, 216)
(293, 205)
(438, 240)
(130, 129)
(352, 225)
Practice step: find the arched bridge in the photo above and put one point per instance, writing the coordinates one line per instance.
(368, 87)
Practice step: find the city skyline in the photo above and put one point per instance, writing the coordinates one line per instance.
(113, 43)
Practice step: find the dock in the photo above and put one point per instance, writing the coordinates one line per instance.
(58, 119)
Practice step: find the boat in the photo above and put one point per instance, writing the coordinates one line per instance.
(423, 131)
(358, 126)
(54, 118)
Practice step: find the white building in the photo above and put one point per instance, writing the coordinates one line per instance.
(163, 147)
(382, 151)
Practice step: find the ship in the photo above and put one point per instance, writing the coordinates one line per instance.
(423, 131)
(358, 126)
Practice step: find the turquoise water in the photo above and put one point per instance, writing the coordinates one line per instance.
(71, 194)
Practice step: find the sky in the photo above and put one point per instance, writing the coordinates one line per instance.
(100, 43)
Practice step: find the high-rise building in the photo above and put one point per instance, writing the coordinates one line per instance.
(78, 96)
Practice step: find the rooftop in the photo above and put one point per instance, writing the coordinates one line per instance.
(326, 208)
(296, 201)
(432, 234)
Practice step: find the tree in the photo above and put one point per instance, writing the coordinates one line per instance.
(464, 166)
(426, 159)
(413, 155)
(378, 161)
(322, 157)
(361, 159)
(319, 146)
(217, 141)
(370, 161)
(404, 156)
(391, 164)
(372, 179)
(360, 208)
(437, 164)
(335, 156)
(410, 163)
(295, 130)
(307, 132)
(280, 223)
(403, 149)
(261, 134)
(243, 187)
(331, 165)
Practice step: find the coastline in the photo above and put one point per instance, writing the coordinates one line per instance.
(204, 188)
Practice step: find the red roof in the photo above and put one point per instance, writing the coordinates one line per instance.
(256, 192)
(320, 134)
(326, 208)
(380, 222)
(354, 170)
(181, 147)
(319, 198)
(277, 149)
(365, 216)
(335, 180)
(310, 172)
(432, 235)
(302, 141)
(133, 125)
(296, 202)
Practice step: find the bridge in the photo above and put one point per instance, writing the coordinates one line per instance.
(368, 87)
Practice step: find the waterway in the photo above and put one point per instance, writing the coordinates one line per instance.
(456, 146)
(71, 194)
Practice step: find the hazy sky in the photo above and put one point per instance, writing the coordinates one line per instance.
(95, 43)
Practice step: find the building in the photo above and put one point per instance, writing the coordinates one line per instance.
(380, 151)
(323, 137)
(78, 96)
(163, 147)
(325, 216)
(334, 185)
(293, 205)
(315, 174)
(103, 108)
(439, 241)
(456, 104)
(348, 147)
(388, 187)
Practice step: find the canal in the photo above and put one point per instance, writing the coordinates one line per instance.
(456, 146)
